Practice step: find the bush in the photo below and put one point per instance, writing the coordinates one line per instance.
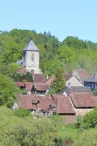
(21, 112)
(59, 142)
(87, 138)
(90, 119)
(95, 92)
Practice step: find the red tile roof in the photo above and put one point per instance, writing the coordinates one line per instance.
(50, 80)
(67, 77)
(61, 105)
(28, 101)
(22, 70)
(82, 73)
(40, 86)
(82, 100)
(38, 78)
(20, 84)
(28, 85)
(94, 98)
(64, 105)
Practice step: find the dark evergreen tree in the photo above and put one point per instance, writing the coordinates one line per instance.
(59, 82)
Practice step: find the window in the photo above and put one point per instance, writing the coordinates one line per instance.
(32, 57)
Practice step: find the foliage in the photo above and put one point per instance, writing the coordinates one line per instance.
(8, 90)
(21, 112)
(59, 82)
(29, 77)
(90, 119)
(9, 69)
(70, 54)
(19, 77)
(95, 92)
(59, 142)
(87, 138)
(17, 131)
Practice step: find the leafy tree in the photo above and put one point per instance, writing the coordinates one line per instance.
(87, 138)
(17, 131)
(90, 119)
(9, 70)
(58, 84)
(8, 90)
(29, 77)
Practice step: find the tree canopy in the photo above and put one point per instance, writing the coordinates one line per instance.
(8, 90)
(58, 84)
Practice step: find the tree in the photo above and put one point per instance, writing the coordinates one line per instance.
(17, 131)
(8, 90)
(29, 77)
(90, 119)
(58, 84)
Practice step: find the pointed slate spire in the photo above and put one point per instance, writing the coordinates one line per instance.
(31, 47)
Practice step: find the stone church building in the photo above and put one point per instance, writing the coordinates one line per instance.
(30, 58)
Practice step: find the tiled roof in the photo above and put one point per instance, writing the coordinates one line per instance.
(94, 98)
(64, 105)
(50, 80)
(83, 100)
(82, 74)
(28, 85)
(78, 89)
(40, 86)
(67, 77)
(31, 47)
(21, 70)
(38, 78)
(92, 78)
(61, 105)
(20, 84)
(27, 101)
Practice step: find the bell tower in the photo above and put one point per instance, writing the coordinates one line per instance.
(31, 57)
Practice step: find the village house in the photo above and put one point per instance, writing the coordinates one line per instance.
(47, 105)
(72, 80)
(91, 81)
(81, 75)
(76, 100)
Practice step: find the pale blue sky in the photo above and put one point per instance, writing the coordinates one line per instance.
(61, 17)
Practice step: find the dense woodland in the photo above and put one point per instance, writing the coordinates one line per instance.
(71, 53)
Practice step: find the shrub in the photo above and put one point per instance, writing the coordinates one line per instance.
(90, 119)
(59, 142)
(21, 112)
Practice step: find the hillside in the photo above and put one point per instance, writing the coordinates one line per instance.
(70, 54)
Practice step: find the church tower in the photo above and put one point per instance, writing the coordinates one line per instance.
(31, 58)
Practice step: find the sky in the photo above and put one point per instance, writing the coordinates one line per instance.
(62, 18)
